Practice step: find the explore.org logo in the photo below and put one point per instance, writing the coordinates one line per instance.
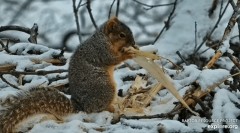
(215, 122)
(222, 126)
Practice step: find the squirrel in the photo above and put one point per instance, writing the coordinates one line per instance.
(91, 82)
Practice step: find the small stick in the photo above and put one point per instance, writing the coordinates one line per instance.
(151, 93)
(5, 80)
(226, 33)
(110, 10)
(221, 13)
(179, 54)
(234, 60)
(195, 37)
(238, 22)
(167, 23)
(90, 14)
(17, 73)
(117, 10)
(14, 27)
(53, 61)
(146, 116)
(213, 60)
(7, 67)
(75, 11)
(33, 34)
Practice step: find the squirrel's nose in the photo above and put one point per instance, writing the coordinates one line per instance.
(134, 45)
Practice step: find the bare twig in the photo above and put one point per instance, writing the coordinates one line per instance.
(214, 28)
(2, 44)
(234, 6)
(75, 11)
(221, 7)
(199, 93)
(179, 54)
(234, 60)
(148, 116)
(5, 47)
(167, 23)
(175, 65)
(215, 45)
(117, 9)
(213, 60)
(90, 14)
(110, 10)
(231, 22)
(79, 4)
(238, 22)
(195, 37)
(199, 101)
(7, 67)
(17, 73)
(236, 74)
(14, 27)
(33, 34)
(60, 54)
(226, 33)
(152, 6)
(14, 40)
(4, 80)
(58, 61)
(205, 109)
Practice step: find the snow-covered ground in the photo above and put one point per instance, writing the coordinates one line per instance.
(56, 17)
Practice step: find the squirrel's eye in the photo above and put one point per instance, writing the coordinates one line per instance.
(122, 35)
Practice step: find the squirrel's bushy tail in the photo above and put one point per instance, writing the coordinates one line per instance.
(34, 101)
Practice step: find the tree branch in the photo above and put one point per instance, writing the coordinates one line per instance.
(234, 60)
(117, 10)
(167, 23)
(195, 37)
(41, 72)
(110, 9)
(146, 116)
(33, 34)
(152, 6)
(179, 54)
(221, 13)
(90, 13)
(5, 47)
(75, 11)
(5, 80)
(15, 27)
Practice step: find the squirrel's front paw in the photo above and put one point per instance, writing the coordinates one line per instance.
(128, 52)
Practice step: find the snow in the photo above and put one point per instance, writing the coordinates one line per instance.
(224, 48)
(55, 18)
(224, 108)
(188, 75)
(209, 77)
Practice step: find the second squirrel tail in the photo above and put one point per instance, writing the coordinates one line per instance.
(34, 101)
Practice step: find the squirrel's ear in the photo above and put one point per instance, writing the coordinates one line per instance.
(111, 24)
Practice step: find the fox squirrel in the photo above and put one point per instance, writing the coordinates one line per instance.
(91, 81)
